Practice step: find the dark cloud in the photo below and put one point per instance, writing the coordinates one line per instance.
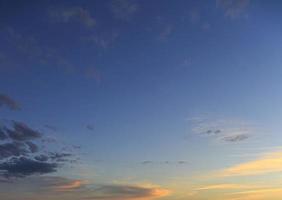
(59, 157)
(73, 14)
(233, 8)
(235, 138)
(41, 158)
(3, 135)
(23, 166)
(22, 132)
(22, 154)
(9, 102)
(12, 149)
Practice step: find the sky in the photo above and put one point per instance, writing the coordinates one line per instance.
(140, 100)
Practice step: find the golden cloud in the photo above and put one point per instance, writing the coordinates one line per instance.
(268, 163)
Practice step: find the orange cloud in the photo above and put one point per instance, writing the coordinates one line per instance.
(266, 164)
(70, 186)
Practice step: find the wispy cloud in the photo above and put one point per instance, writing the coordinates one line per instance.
(93, 73)
(129, 192)
(30, 52)
(150, 162)
(257, 194)
(226, 187)
(70, 186)
(72, 14)
(233, 8)
(166, 32)
(64, 188)
(222, 129)
(90, 127)
(8, 102)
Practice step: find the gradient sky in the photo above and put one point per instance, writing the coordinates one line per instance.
(140, 100)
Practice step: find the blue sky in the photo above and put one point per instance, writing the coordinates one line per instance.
(164, 99)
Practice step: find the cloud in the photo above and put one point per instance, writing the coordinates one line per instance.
(150, 162)
(22, 132)
(70, 186)
(124, 9)
(222, 129)
(12, 149)
(22, 154)
(236, 138)
(119, 192)
(226, 187)
(3, 135)
(50, 127)
(55, 187)
(269, 163)
(233, 8)
(258, 194)
(33, 148)
(73, 14)
(90, 127)
(146, 162)
(9, 102)
(23, 166)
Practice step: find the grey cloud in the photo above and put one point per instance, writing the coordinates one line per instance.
(223, 129)
(147, 162)
(9, 102)
(235, 138)
(77, 14)
(90, 127)
(233, 8)
(212, 132)
(150, 162)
